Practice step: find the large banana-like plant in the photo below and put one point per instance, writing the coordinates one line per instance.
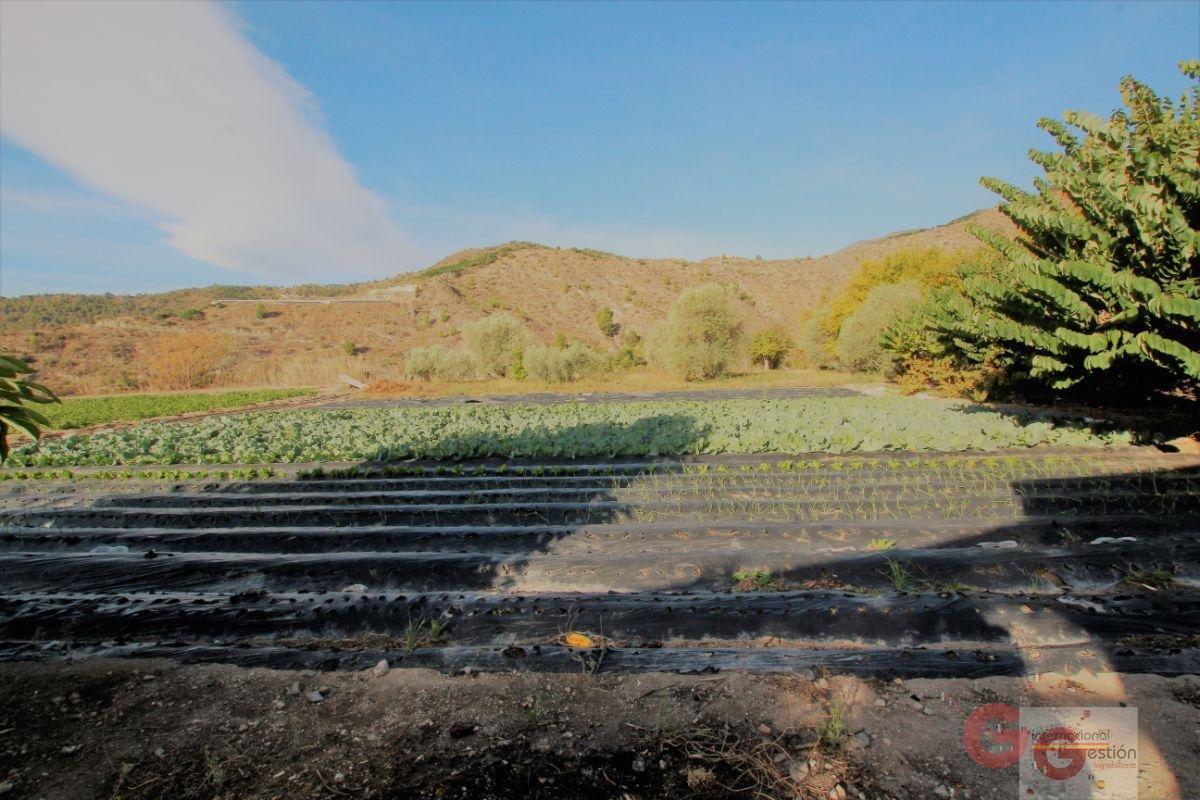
(16, 393)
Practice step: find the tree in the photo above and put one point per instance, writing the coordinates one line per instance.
(16, 393)
(929, 266)
(859, 343)
(1102, 287)
(493, 340)
(814, 347)
(770, 347)
(701, 334)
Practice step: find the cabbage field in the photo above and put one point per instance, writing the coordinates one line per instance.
(806, 425)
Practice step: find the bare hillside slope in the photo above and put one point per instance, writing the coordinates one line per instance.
(90, 344)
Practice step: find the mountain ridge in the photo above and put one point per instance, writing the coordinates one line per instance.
(98, 343)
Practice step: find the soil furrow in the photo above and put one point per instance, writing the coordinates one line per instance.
(852, 534)
(358, 620)
(1050, 569)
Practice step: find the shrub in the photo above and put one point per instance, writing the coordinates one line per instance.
(626, 358)
(186, 360)
(260, 311)
(925, 360)
(555, 365)
(493, 340)
(516, 370)
(701, 334)
(906, 335)
(1101, 288)
(629, 354)
(606, 324)
(457, 365)
(350, 347)
(858, 345)
(421, 362)
(946, 377)
(769, 347)
(440, 363)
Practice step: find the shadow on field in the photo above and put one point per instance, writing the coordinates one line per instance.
(474, 523)
(1109, 562)
(1149, 424)
(497, 525)
(537, 522)
(663, 434)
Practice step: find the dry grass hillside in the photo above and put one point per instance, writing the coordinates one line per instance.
(88, 344)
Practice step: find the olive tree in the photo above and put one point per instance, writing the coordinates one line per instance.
(702, 332)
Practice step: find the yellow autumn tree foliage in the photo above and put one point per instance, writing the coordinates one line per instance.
(928, 267)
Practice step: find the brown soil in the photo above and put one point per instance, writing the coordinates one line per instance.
(387, 388)
(124, 729)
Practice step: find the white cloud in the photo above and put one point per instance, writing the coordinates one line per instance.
(167, 106)
(64, 204)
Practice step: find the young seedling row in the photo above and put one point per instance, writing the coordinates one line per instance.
(938, 565)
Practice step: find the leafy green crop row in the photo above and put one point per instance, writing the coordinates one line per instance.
(834, 425)
(242, 474)
(128, 408)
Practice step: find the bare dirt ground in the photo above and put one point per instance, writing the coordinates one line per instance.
(152, 729)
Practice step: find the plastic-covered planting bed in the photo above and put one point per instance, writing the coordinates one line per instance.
(892, 564)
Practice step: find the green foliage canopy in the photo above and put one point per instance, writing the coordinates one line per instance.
(562, 364)
(494, 340)
(769, 347)
(932, 268)
(927, 266)
(440, 363)
(1102, 286)
(859, 343)
(606, 324)
(701, 334)
(16, 393)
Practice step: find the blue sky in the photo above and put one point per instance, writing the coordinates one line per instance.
(401, 132)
